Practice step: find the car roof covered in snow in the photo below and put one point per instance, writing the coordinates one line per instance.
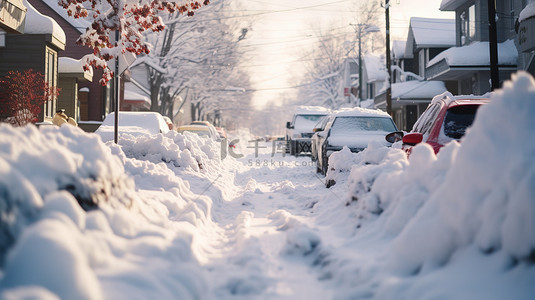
(312, 110)
(360, 112)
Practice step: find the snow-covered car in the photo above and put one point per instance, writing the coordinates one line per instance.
(354, 128)
(200, 130)
(446, 119)
(134, 123)
(316, 138)
(211, 128)
(299, 131)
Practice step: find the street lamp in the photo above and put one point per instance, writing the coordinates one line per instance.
(361, 29)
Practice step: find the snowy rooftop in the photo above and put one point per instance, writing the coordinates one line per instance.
(527, 12)
(429, 33)
(398, 49)
(71, 65)
(80, 24)
(415, 89)
(37, 23)
(477, 54)
(149, 62)
(375, 68)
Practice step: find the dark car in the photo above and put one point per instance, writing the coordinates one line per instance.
(354, 128)
(445, 119)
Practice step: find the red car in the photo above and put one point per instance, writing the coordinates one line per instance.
(444, 120)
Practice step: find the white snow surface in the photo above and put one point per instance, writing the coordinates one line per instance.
(477, 54)
(71, 65)
(460, 225)
(37, 23)
(430, 32)
(417, 89)
(527, 12)
(375, 68)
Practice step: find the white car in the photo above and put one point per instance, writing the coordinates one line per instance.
(134, 123)
(354, 128)
(299, 131)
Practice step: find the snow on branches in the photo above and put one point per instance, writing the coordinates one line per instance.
(130, 18)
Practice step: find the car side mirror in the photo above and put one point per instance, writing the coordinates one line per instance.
(289, 125)
(395, 136)
(413, 138)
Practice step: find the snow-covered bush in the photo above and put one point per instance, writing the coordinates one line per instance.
(74, 161)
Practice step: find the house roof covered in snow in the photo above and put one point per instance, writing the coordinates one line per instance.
(80, 24)
(398, 49)
(74, 67)
(415, 89)
(429, 33)
(456, 61)
(527, 12)
(374, 68)
(477, 54)
(37, 23)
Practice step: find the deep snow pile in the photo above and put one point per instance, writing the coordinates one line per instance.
(473, 206)
(144, 210)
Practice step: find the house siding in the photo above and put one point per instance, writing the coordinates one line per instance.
(96, 101)
(23, 52)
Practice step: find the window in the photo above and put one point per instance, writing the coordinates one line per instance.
(468, 25)
(425, 122)
(51, 78)
(370, 91)
(458, 119)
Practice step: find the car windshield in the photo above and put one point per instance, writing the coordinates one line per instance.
(457, 119)
(351, 125)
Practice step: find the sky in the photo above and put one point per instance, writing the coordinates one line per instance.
(177, 220)
(283, 30)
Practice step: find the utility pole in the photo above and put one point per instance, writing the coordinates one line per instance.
(388, 62)
(493, 46)
(116, 90)
(360, 64)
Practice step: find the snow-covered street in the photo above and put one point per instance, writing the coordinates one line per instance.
(164, 217)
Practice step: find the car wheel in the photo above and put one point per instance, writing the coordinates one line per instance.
(292, 147)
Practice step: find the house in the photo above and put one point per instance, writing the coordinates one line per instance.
(411, 92)
(95, 100)
(36, 49)
(467, 65)
(71, 73)
(349, 82)
(373, 77)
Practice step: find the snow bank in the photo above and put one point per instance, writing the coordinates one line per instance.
(486, 198)
(432, 216)
(139, 217)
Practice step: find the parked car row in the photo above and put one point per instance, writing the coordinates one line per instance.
(148, 122)
(446, 119)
